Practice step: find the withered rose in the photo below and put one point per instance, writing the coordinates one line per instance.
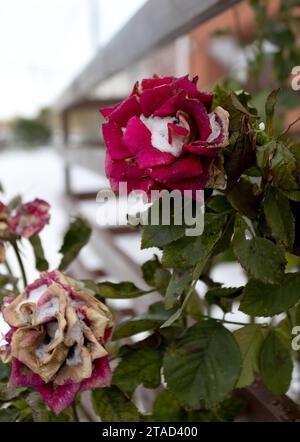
(57, 337)
(165, 136)
(30, 218)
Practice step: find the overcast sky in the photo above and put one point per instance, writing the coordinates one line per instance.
(43, 43)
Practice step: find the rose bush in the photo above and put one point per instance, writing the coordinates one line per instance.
(164, 135)
(56, 341)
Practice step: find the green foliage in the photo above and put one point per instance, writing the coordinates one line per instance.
(32, 131)
(113, 290)
(113, 406)
(250, 339)
(261, 299)
(76, 237)
(151, 320)
(140, 364)
(275, 363)
(204, 364)
(41, 263)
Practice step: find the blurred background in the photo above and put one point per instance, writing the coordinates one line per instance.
(50, 128)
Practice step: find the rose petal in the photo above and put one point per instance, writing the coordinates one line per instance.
(22, 376)
(112, 134)
(192, 91)
(106, 111)
(122, 170)
(201, 148)
(58, 398)
(101, 376)
(137, 138)
(186, 167)
(150, 83)
(152, 99)
(125, 110)
(175, 129)
(192, 107)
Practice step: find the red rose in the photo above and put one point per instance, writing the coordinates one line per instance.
(163, 136)
(30, 218)
(55, 338)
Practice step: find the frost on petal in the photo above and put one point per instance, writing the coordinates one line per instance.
(58, 398)
(138, 140)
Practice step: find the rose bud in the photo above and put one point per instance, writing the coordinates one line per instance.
(30, 218)
(164, 136)
(57, 338)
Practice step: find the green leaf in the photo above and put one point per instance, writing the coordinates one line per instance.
(166, 408)
(161, 234)
(15, 202)
(41, 263)
(250, 339)
(4, 371)
(269, 110)
(241, 153)
(9, 414)
(155, 275)
(284, 168)
(188, 251)
(242, 197)
(261, 258)
(138, 366)
(218, 204)
(203, 365)
(122, 290)
(113, 406)
(151, 320)
(178, 283)
(76, 237)
(223, 296)
(261, 299)
(275, 363)
(7, 279)
(8, 393)
(279, 217)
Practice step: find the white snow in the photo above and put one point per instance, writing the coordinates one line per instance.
(215, 127)
(159, 134)
(4, 328)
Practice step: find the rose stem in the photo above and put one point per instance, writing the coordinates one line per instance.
(75, 414)
(9, 271)
(20, 262)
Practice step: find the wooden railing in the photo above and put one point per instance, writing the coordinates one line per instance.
(157, 23)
